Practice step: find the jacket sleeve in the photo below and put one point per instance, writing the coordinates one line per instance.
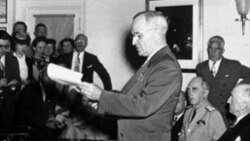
(103, 74)
(162, 82)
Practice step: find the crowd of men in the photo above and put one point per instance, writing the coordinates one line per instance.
(150, 106)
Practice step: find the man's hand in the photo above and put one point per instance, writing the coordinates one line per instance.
(3, 82)
(13, 82)
(91, 91)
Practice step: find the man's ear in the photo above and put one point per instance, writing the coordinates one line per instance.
(206, 92)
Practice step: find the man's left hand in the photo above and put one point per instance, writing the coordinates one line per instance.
(91, 91)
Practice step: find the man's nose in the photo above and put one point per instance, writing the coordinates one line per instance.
(134, 41)
(229, 100)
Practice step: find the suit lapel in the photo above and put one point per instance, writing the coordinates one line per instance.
(141, 73)
(138, 76)
(222, 68)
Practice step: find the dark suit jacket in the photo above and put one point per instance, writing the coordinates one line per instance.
(91, 64)
(226, 78)
(242, 130)
(146, 104)
(30, 63)
(8, 96)
(176, 130)
(31, 109)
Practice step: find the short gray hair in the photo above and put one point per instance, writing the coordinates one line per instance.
(218, 39)
(155, 18)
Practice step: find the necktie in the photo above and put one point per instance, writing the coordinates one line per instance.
(2, 70)
(194, 113)
(77, 63)
(213, 69)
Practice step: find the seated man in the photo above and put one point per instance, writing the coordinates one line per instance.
(36, 106)
(178, 116)
(202, 122)
(240, 107)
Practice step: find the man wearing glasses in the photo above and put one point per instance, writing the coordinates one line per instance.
(146, 104)
(9, 80)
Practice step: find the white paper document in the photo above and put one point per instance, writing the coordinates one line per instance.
(64, 75)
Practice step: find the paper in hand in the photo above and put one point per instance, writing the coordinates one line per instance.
(64, 75)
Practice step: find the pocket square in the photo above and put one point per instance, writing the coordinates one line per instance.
(226, 75)
(89, 66)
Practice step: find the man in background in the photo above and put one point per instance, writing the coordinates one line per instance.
(221, 74)
(40, 30)
(145, 106)
(82, 61)
(178, 116)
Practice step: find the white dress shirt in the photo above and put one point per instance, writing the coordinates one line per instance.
(81, 55)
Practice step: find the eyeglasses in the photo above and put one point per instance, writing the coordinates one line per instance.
(4, 46)
(139, 35)
(80, 41)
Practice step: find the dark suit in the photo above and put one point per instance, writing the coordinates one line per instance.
(176, 130)
(91, 64)
(226, 78)
(240, 130)
(8, 96)
(32, 110)
(30, 63)
(146, 104)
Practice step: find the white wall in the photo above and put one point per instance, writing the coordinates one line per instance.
(107, 23)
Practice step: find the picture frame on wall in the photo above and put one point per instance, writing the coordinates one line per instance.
(184, 35)
(3, 11)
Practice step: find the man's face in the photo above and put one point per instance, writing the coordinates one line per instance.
(21, 48)
(196, 93)
(4, 46)
(234, 103)
(67, 47)
(49, 49)
(19, 28)
(81, 43)
(41, 31)
(181, 104)
(215, 51)
(39, 49)
(142, 36)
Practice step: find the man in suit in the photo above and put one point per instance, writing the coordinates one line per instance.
(240, 107)
(82, 61)
(221, 74)
(9, 80)
(178, 116)
(145, 106)
(202, 122)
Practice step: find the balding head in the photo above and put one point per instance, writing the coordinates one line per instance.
(240, 100)
(198, 90)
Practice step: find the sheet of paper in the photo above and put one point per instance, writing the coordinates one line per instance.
(64, 75)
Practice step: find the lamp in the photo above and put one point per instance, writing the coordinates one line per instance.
(243, 9)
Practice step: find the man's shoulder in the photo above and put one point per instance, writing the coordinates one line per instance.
(231, 62)
(202, 64)
(10, 56)
(88, 54)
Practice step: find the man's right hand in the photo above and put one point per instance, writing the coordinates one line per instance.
(3, 82)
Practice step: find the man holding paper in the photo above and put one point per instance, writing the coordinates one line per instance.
(146, 104)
